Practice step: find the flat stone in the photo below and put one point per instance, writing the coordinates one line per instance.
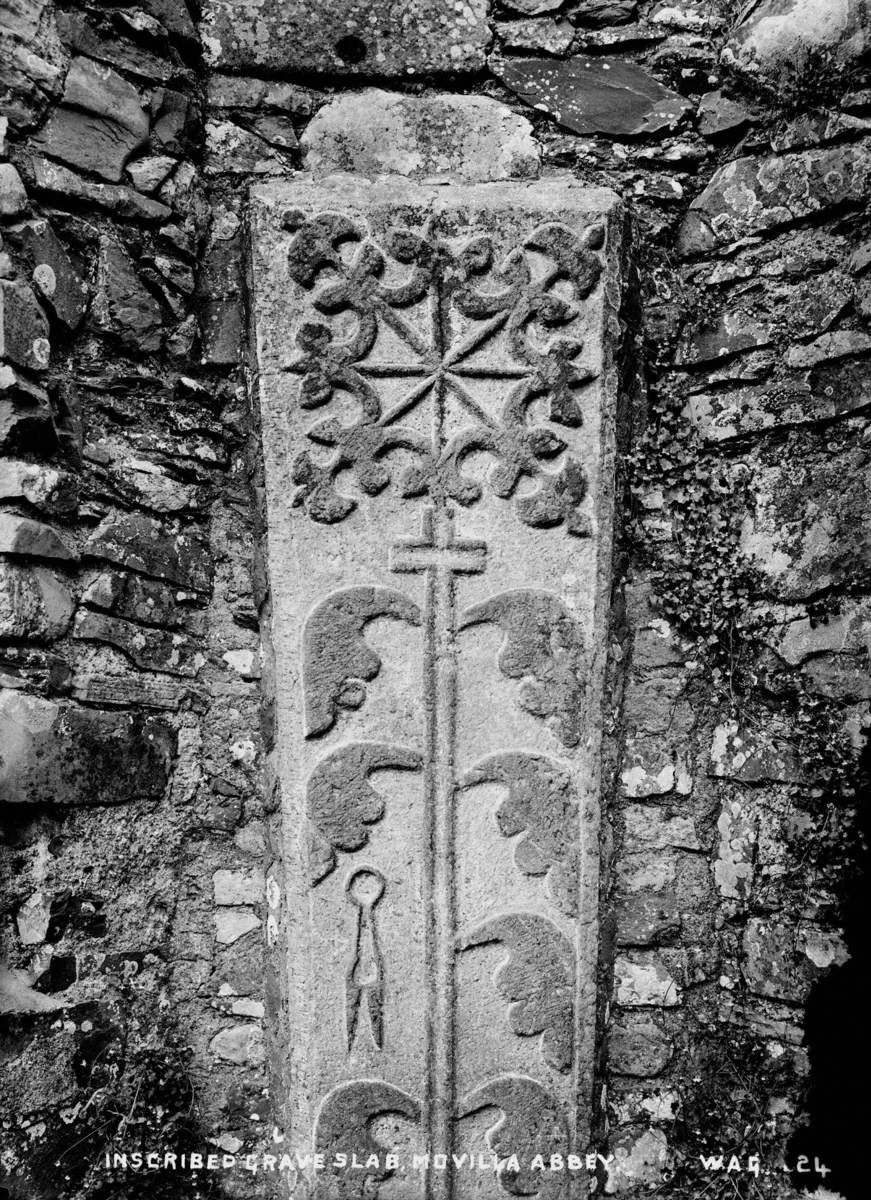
(734, 866)
(720, 335)
(57, 180)
(639, 1159)
(467, 302)
(32, 60)
(592, 95)
(149, 173)
(773, 965)
(59, 754)
(24, 536)
(807, 530)
(13, 197)
(652, 769)
(387, 38)
(54, 276)
(533, 8)
(638, 1047)
(151, 649)
(246, 92)
(240, 1044)
(644, 981)
(98, 125)
(754, 755)
(145, 545)
(47, 488)
(783, 39)
(25, 414)
(34, 603)
(23, 327)
(547, 36)
(645, 918)
(238, 887)
(723, 416)
(32, 919)
(602, 12)
(122, 304)
(830, 346)
(752, 196)
(235, 150)
(137, 599)
(231, 924)
(458, 137)
(844, 632)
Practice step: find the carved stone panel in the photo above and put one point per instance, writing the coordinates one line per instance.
(437, 391)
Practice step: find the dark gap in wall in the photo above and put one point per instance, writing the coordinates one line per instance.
(838, 1038)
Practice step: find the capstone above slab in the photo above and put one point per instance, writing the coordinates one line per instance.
(366, 37)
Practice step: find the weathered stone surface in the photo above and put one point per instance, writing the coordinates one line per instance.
(46, 488)
(644, 981)
(391, 37)
(240, 1044)
(34, 602)
(637, 1046)
(147, 546)
(31, 60)
(122, 304)
(58, 754)
(718, 115)
(425, 638)
(54, 276)
(238, 887)
(57, 180)
(590, 95)
(639, 1159)
(231, 924)
(23, 327)
(753, 755)
(24, 536)
(98, 125)
(459, 137)
(25, 413)
(533, 8)
(753, 195)
(807, 530)
(845, 343)
(547, 36)
(645, 918)
(780, 39)
(13, 197)
(152, 649)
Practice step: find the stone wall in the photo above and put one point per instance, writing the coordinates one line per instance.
(132, 586)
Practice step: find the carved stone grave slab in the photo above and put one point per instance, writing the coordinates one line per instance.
(437, 387)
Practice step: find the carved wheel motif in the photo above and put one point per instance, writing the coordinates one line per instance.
(471, 300)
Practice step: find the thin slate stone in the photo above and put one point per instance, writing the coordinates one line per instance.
(371, 37)
(589, 95)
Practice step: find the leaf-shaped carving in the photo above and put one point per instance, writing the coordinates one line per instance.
(556, 500)
(532, 1123)
(316, 243)
(543, 647)
(537, 979)
(344, 1127)
(342, 803)
(541, 804)
(336, 659)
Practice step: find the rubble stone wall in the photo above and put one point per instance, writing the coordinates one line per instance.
(135, 722)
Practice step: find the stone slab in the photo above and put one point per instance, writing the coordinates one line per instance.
(462, 138)
(367, 37)
(438, 390)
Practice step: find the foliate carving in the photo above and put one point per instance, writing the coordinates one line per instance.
(342, 802)
(542, 805)
(336, 659)
(531, 1123)
(440, 345)
(344, 1123)
(543, 647)
(464, 286)
(537, 980)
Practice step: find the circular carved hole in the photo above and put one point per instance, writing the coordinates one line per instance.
(351, 49)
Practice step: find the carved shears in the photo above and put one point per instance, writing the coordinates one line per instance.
(365, 978)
